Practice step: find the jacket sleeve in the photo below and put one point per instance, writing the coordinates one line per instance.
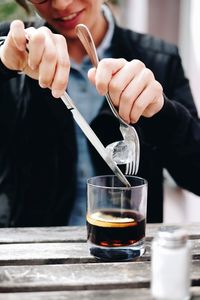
(5, 73)
(8, 116)
(175, 130)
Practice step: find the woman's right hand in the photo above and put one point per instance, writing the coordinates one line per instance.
(44, 57)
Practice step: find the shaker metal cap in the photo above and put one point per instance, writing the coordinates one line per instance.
(172, 236)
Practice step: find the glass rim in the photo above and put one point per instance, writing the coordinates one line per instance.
(121, 187)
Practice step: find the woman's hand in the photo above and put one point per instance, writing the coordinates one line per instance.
(132, 87)
(39, 54)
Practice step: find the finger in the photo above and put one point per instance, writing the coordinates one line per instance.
(13, 51)
(149, 102)
(92, 75)
(121, 79)
(105, 70)
(61, 75)
(47, 65)
(133, 90)
(155, 105)
(17, 34)
(36, 45)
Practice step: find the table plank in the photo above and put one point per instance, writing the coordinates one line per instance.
(69, 234)
(44, 253)
(81, 276)
(193, 230)
(74, 277)
(59, 253)
(125, 294)
(42, 234)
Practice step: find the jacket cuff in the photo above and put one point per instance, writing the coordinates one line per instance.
(168, 110)
(5, 73)
(164, 126)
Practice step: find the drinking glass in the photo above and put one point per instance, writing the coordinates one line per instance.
(116, 217)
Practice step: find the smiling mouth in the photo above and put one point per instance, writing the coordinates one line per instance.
(69, 17)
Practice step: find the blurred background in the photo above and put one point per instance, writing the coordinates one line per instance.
(178, 22)
(9, 10)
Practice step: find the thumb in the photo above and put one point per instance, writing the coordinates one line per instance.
(91, 75)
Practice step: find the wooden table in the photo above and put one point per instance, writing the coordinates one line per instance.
(54, 263)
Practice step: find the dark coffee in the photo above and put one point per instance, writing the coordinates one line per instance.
(115, 228)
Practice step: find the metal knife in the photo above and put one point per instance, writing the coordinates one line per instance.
(92, 137)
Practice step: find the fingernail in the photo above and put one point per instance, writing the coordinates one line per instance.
(56, 93)
(42, 85)
(101, 92)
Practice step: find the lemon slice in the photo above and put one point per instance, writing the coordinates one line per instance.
(110, 220)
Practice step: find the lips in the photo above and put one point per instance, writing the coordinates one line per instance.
(70, 17)
(69, 21)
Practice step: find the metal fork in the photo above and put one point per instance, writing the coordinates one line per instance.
(128, 132)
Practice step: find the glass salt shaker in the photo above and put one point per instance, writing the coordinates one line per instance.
(170, 267)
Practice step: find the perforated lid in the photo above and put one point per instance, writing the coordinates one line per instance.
(172, 236)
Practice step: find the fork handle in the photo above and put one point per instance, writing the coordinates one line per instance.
(86, 39)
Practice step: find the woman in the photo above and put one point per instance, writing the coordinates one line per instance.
(46, 159)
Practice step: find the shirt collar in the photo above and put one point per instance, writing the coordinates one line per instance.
(106, 42)
(103, 48)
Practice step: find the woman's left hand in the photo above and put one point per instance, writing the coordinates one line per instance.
(132, 87)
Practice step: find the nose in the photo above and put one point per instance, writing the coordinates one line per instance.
(60, 4)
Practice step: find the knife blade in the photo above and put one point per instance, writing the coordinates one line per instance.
(92, 137)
